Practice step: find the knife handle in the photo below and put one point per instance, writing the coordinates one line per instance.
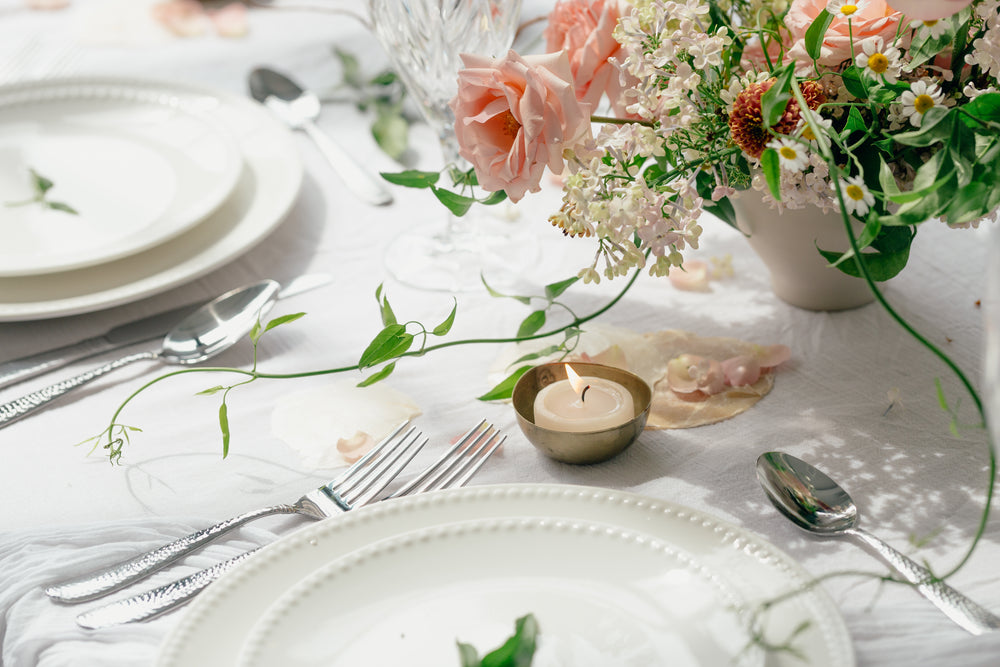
(116, 577)
(158, 600)
(36, 400)
(18, 370)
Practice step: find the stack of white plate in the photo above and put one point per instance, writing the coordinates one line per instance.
(167, 182)
(612, 578)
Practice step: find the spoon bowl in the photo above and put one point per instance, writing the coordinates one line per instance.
(206, 332)
(816, 503)
(298, 108)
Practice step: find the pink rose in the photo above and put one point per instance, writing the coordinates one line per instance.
(873, 18)
(929, 10)
(514, 116)
(584, 29)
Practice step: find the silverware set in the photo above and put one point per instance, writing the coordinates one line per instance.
(366, 481)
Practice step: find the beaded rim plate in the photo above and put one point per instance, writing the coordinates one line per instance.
(138, 165)
(267, 187)
(220, 622)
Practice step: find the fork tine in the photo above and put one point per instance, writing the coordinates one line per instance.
(383, 471)
(430, 470)
(359, 467)
(473, 463)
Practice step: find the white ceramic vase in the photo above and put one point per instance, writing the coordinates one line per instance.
(787, 242)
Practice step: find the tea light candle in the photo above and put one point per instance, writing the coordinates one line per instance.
(582, 405)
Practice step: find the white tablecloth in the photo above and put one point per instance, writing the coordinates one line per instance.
(66, 511)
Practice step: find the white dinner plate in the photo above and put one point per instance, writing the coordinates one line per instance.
(265, 190)
(137, 166)
(601, 595)
(220, 623)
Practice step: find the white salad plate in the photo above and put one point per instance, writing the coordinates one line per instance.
(562, 539)
(601, 595)
(127, 167)
(266, 187)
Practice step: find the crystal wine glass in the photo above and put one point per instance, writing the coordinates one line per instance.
(424, 40)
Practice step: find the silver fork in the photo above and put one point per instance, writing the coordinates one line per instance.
(453, 469)
(356, 486)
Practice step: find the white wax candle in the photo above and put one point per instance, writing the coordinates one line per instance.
(595, 404)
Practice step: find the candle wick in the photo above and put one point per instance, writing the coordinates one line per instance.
(583, 393)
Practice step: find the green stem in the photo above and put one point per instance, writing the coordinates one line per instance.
(254, 374)
(611, 120)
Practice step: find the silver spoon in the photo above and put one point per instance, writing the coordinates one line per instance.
(206, 332)
(299, 108)
(819, 505)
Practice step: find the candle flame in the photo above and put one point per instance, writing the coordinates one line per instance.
(574, 380)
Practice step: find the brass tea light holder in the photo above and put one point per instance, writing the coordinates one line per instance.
(581, 447)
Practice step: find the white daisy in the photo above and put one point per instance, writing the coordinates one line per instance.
(919, 99)
(805, 132)
(935, 27)
(844, 8)
(877, 60)
(857, 198)
(792, 156)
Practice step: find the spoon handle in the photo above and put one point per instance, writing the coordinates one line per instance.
(971, 616)
(36, 400)
(354, 176)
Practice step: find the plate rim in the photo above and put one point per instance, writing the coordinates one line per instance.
(659, 518)
(267, 205)
(121, 94)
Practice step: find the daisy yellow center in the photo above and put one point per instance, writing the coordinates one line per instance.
(807, 134)
(931, 24)
(855, 192)
(878, 63)
(788, 152)
(848, 10)
(923, 103)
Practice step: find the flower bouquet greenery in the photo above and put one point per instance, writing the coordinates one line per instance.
(885, 111)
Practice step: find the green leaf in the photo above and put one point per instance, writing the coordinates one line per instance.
(391, 342)
(255, 332)
(505, 388)
(445, 327)
(224, 427)
(854, 82)
(386, 78)
(986, 108)
(41, 184)
(935, 126)
(458, 204)
(385, 310)
(532, 324)
(555, 290)
(517, 651)
(494, 198)
(392, 133)
(59, 206)
(771, 164)
(211, 390)
(816, 32)
(351, 67)
(383, 373)
(284, 319)
(854, 122)
(526, 300)
(412, 178)
(468, 655)
(775, 99)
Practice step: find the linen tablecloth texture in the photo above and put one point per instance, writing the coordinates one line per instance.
(66, 511)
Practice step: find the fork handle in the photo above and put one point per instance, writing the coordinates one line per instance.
(971, 616)
(119, 576)
(36, 400)
(158, 600)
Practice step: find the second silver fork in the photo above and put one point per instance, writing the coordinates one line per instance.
(453, 469)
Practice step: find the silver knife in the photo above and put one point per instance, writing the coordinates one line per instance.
(142, 330)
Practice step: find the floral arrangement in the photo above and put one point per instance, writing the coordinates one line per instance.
(886, 110)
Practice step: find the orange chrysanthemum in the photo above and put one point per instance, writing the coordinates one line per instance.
(746, 123)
